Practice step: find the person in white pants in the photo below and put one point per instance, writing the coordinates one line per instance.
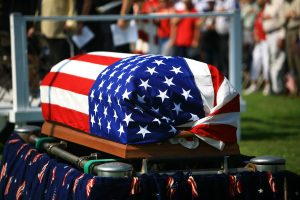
(274, 35)
(260, 63)
(260, 54)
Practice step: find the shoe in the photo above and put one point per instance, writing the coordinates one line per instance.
(252, 88)
(267, 90)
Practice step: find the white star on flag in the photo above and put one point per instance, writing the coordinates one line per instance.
(156, 110)
(166, 118)
(157, 120)
(104, 72)
(121, 130)
(92, 95)
(129, 78)
(151, 70)
(109, 100)
(101, 84)
(109, 86)
(144, 84)
(194, 117)
(96, 108)
(143, 130)
(99, 122)
(126, 67)
(173, 130)
(176, 70)
(177, 108)
(118, 101)
(133, 69)
(169, 81)
(117, 89)
(108, 126)
(163, 95)
(92, 120)
(141, 99)
(120, 76)
(139, 108)
(118, 66)
(186, 94)
(105, 112)
(159, 62)
(126, 94)
(128, 118)
(100, 97)
(115, 115)
(112, 74)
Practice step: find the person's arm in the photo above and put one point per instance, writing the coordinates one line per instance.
(126, 5)
(86, 7)
(196, 34)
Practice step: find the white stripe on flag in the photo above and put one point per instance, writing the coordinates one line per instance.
(79, 68)
(226, 118)
(111, 54)
(65, 98)
(204, 83)
(225, 94)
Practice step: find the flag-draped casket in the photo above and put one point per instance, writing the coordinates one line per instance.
(139, 99)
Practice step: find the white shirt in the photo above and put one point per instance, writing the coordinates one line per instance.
(222, 23)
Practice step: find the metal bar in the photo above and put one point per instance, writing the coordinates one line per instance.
(235, 56)
(19, 63)
(59, 152)
(235, 51)
(127, 17)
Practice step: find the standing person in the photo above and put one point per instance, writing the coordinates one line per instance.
(290, 14)
(249, 10)
(209, 36)
(55, 31)
(185, 32)
(164, 26)
(222, 28)
(274, 36)
(260, 53)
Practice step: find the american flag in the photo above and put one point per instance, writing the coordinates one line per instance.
(141, 98)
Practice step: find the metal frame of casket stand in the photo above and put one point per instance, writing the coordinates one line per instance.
(162, 157)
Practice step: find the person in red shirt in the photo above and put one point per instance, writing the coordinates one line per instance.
(164, 26)
(185, 32)
(260, 54)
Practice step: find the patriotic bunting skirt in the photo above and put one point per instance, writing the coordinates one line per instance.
(138, 99)
(26, 173)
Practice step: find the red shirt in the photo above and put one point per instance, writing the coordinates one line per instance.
(164, 28)
(258, 27)
(185, 30)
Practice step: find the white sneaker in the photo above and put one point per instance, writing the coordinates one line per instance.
(252, 88)
(267, 90)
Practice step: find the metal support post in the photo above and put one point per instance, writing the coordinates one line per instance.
(19, 62)
(235, 58)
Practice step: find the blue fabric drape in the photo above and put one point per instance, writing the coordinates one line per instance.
(26, 173)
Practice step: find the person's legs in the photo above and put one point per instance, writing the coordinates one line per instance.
(255, 70)
(266, 67)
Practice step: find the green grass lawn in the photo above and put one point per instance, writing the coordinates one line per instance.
(271, 126)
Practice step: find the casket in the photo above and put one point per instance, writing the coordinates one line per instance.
(137, 106)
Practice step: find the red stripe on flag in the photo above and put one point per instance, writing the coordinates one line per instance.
(223, 132)
(217, 79)
(66, 116)
(68, 82)
(232, 106)
(96, 59)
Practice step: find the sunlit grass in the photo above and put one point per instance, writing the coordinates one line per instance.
(271, 126)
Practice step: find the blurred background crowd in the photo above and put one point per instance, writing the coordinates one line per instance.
(271, 37)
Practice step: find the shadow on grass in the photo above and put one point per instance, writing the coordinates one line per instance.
(257, 129)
